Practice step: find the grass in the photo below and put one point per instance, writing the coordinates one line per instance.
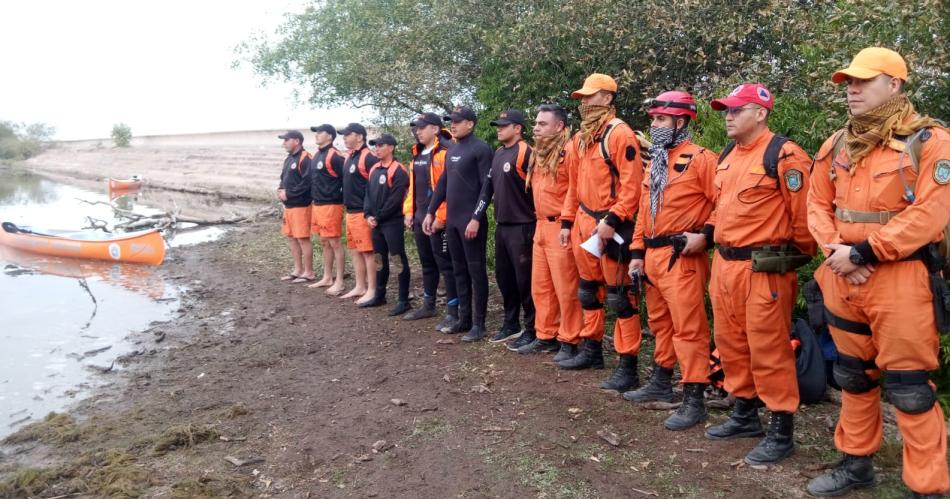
(54, 429)
(110, 473)
(183, 436)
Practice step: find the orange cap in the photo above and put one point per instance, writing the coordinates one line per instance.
(595, 83)
(871, 62)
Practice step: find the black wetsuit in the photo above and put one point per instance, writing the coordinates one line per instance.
(466, 169)
(433, 250)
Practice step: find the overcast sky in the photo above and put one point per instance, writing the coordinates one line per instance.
(161, 67)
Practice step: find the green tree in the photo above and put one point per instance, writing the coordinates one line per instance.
(121, 134)
(20, 141)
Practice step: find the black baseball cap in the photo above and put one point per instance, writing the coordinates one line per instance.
(353, 128)
(508, 117)
(292, 134)
(461, 113)
(427, 119)
(385, 138)
(324, 128)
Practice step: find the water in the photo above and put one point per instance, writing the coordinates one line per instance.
(62, 319)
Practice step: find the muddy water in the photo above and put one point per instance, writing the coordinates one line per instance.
(64, 321)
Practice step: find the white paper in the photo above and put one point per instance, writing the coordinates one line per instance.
(592, 245)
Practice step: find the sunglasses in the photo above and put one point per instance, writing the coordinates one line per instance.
(732, 111)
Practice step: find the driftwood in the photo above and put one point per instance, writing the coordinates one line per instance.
(168, 220)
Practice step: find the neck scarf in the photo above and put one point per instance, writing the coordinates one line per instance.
(546, 154)
(593, 118)
(879, 125)
(663, 139)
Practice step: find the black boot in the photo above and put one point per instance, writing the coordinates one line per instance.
(852, 472)
(427, 310)
(567, 351)
(744, 422)
(778, 442)
(450, 319)
(590, 356)
(625, 377)
(476, 333)
(538, 346)
(525, 338)
(660, 387)
(401, 307)
(693, 410)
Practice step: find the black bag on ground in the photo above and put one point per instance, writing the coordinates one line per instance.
(809, 364)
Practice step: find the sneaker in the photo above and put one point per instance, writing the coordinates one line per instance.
(527, 336)
(475, 334)
(505, 334)
(540, 346)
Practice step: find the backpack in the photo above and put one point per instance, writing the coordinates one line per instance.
(771, 157)
(605, 153)
(912, 147)
(809, 363)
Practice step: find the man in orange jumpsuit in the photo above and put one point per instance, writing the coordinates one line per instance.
(602, 197)
(762, 233)
(669, 248)
(558, 316)
(879, 201)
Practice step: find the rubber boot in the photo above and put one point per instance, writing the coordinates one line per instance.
(476, 333)
(567, 351)
(625, 377)
(692, 411)
(401, 307)
(744, 422)
(778, 442)
(450, 319)
(590, 356)
(852, 472)
(660, 387)
(427, 310)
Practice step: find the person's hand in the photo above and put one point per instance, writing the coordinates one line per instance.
(840, 259)
(604, 232)
(408, 221)
(471, 230)
(636, 266)
(565, 237)
(282, 194)
(427, 225)
(860, 274)
(371, 221)
(695, 243)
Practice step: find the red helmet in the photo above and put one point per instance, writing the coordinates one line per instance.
(673, 103)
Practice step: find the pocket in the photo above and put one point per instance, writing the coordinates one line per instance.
(756, 188)
(887, 186)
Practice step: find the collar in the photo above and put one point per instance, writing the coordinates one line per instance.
(764, 136)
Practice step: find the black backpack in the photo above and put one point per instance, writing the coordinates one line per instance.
(771, 157)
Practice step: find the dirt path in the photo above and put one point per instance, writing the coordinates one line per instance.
(258, 369)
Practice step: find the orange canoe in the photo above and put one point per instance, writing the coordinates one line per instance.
(116, 184)
(145, 246)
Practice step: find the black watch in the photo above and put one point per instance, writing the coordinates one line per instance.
(855, 256)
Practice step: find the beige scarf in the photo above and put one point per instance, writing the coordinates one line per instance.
(880, 125)
(593, 118)
(546, 154)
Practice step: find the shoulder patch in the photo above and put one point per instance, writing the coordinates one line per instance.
(942, 172)
(631, 153)
(793, 180)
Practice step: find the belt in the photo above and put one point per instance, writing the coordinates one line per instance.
(745, 252)
(864, 217)
(552, 219)
(661, 241)
(595, 214)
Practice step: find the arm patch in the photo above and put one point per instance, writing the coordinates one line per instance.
(631, 153)
(793, 180)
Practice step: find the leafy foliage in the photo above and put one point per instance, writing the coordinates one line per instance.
(20, 141)
(121, 134)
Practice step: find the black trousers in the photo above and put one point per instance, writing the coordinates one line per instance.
(389, 239)
(513, 245)
(469, 263)
(435, 260)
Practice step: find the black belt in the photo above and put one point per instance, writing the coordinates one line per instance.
(595, 214)
(661, 241)
(552, 219)
(745, 252)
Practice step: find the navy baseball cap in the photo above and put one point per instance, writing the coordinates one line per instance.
(385, 138)
(324, 128)
(461, 113)
(427, 119)
(508, 117)
(291, 134)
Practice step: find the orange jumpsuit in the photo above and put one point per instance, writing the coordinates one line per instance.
(752, 310)
(896, 299)
(553, 272)
(676, 297)
(590, 190)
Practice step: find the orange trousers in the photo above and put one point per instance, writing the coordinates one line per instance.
(752, 315)
(896, 303)
(606, 272)
(554, 286)
(677, 311)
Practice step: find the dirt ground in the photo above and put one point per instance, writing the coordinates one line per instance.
(312, 397)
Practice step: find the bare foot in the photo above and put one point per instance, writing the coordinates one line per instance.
(368, 297)
(354, 293)
(291, 276)
(322, 283)
(335, 290)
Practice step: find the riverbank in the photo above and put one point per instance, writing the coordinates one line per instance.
(262, 388)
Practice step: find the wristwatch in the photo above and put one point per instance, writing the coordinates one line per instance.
(855, 256)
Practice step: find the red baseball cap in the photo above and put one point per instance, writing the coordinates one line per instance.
(747, 93)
